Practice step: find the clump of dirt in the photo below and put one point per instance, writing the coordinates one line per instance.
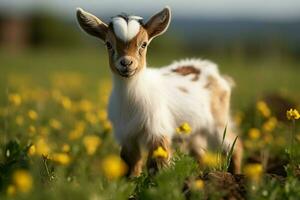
(222, 185)
(234, 186)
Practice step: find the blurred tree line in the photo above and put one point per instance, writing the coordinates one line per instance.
(203, 37)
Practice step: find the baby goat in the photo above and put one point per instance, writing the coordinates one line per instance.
(146, 104)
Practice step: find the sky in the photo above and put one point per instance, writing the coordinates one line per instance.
(253, 9)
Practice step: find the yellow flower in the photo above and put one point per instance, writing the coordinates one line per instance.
(292, 114)
(107, 126)
(31, 150)
(253, 171)
(113, 167)
(42, 147)
(15, 99)
(210, 159)
(11, 190)
(263, 108)
(102, 115)
(91, 118)
(78, 130)
(55, 124)
(160, 153)
(32, 115)
(61, 158)
(32, 130)
(66, 103)
(184, 128)
(22, 180)
(198, 184)
(85, 105)
(254, 133)
(270, 125)
(19, 120)
(66, 148)
(91, 143)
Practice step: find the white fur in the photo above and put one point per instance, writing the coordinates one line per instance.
(151, 103)
(126, 31)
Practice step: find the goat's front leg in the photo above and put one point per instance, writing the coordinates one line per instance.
(131, 154)
(159, 154)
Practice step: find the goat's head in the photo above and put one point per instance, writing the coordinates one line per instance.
(126, 38)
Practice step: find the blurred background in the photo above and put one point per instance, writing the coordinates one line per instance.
(257, 43)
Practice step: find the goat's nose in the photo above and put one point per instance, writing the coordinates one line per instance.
(126, 62)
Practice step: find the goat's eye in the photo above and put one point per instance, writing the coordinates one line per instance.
(108, 45)
(144, 45)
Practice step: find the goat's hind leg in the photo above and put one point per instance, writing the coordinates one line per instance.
(237, 155)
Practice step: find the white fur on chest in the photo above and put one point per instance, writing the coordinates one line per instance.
(138, 107)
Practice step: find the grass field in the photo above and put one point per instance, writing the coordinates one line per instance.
(56, 141)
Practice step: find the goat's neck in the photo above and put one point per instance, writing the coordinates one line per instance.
(130, 87)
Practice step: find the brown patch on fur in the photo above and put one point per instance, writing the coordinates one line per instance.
(183, 89)
(220, 101)
(131, 154)
(187, 70)
(154, 164)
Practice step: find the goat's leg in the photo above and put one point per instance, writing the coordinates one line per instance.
(237, 154)
(131, 154)
(154, 163)
(198, 147)
(237, 157)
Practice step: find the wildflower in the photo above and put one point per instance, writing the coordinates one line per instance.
(42, 147)
(22, 180)
(55, 124)
(31, 130)
(85, 105)
(263, 108)
(66, 148)
(78, 130)
(198, 184)
(184, 128)
(270, 125)
(31, 150)
(91, 143)
(210, 159)
(107, 126)
(102, 115)
(19, 120)
(160, 153)
(91, 118)
(292, 114)
(61, 158)
(113, 167)
(253, 171)
(11, 190)
(254, 133)
(32, 115)
(66, 102)
(15, 99)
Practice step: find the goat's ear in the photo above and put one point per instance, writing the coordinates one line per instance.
(158, 23)
(91, 24)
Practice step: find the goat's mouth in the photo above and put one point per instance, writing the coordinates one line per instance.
(127, 73)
